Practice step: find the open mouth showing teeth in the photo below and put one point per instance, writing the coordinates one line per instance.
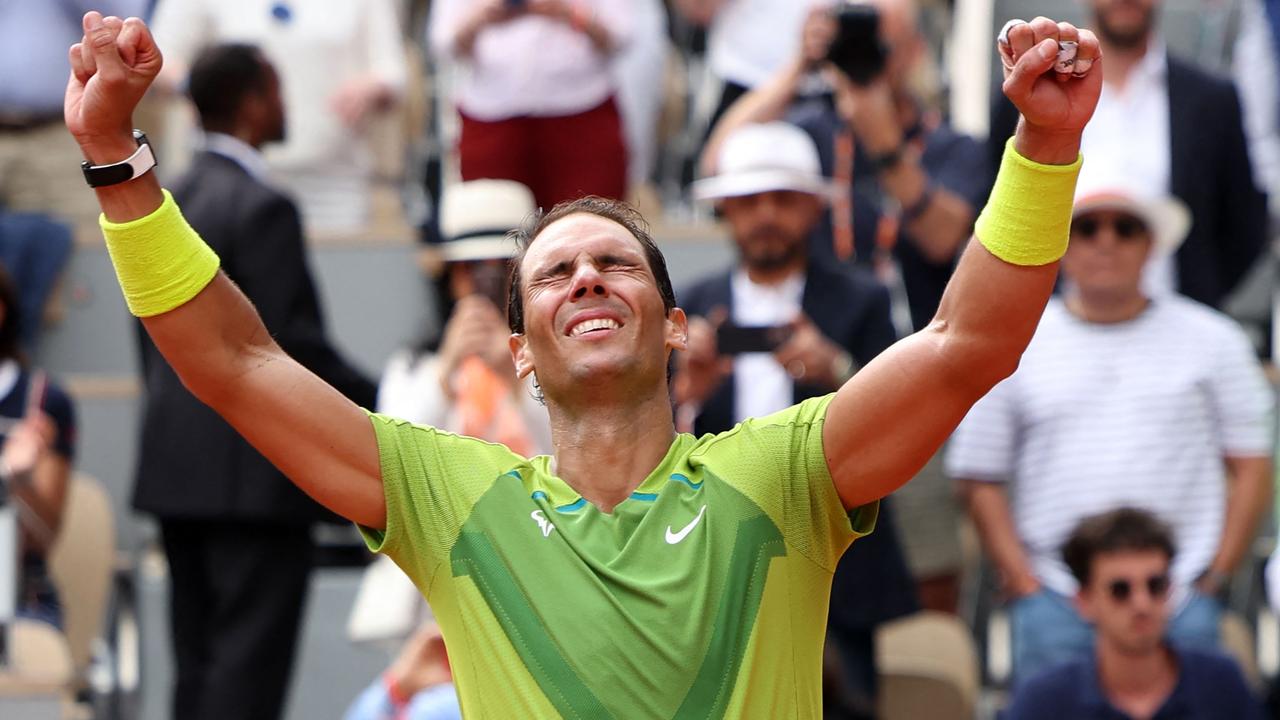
(587, 326)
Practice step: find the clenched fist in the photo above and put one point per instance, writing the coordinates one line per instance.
(111, 68)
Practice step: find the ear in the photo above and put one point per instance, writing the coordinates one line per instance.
(677, 330)
(521, 354)
(1084, 605)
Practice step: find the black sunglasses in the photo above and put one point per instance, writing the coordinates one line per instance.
(1122, 590)
(1126, 227)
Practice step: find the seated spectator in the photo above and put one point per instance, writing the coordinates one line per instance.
(461, 380)
(1121, 399)
(1121, 560)
(37, 427)
(828, 323)
(537, 98)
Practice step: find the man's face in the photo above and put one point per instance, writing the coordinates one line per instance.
(1127, 599)
(268, 107)
(771, 228)
(593, 316)
(1124, 23)
(1107, 253)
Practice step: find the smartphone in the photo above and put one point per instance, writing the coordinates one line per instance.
(857, 48)
(736, 339)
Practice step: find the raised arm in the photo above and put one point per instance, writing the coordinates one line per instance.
(885, 423)
(206, 329)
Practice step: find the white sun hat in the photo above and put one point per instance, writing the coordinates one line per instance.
(475, 217)
(762, 157)
(1109, 188)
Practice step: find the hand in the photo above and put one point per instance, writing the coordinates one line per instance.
(870, 112)
(1020, 586)
(423, 662)
(700, 368)
(25, 444)
(808, 355)
(475, 328)
(111, 68)
(1055, 106)
(357, 98)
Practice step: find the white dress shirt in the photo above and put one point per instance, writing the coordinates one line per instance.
(761, 385)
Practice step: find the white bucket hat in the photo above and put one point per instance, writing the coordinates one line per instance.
(1111, 189)
(763, 157)
(475, 217)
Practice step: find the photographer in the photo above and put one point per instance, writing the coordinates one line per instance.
(779, 328)
(913, 189)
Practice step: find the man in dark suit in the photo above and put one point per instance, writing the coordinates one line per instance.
(827, 323)
(1178, 129)
(235, 530)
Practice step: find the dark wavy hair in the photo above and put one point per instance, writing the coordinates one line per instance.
(615, 210)
(1120, 530)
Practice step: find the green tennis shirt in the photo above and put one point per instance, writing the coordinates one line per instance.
(702, 595)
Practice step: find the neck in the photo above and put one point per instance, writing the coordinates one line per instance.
(1122, 60)
(1106, 309)
(242, 133)
(1150, 675)
(629, 438)
(775, 275)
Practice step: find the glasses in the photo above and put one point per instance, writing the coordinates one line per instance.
(1122, 590)
(1126, 227)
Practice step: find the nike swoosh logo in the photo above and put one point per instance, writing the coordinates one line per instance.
(675, 537)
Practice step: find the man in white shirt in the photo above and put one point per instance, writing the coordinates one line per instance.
(1178, 130)
(1123, 398)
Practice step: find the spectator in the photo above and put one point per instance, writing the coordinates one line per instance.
(462, 380)
(236, 533)
(537, 93)
(34, 248)
(341, 62)
(1255, 67)
(1178, 130)
(748, 41)
(915, 186)
(1121, 399)
(38, 431)
(771, 193)
(1121, 560)
(39, 168)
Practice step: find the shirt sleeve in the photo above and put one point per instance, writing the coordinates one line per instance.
(779, 463)
(983, 446)
(1242, 399)
(443, 23)
(57, 404)
(430, 480)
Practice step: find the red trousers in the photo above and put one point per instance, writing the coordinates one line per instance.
(559, 158)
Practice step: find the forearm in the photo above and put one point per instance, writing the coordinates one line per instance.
(940, 220)
(42, 495)
(764, 104)
(989, 508)
(1248, 500)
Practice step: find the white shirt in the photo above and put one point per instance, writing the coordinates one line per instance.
(750, 40)
(1139, 413)
(1129, 136)
(239, 152)
(760, 385)
(531, 65)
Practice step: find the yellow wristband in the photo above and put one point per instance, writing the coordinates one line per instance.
(160, 261)
(1027, 219)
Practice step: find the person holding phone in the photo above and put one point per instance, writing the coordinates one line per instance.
(777, 328)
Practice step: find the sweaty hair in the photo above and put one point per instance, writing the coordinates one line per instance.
(221, 77)
(1125, 529)
(615, 210)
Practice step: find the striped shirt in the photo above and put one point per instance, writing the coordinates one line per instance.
(1139, 413)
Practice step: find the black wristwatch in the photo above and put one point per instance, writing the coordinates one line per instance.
(887, 160)
(136, 165)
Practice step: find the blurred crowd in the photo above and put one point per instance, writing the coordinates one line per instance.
(1093, 525)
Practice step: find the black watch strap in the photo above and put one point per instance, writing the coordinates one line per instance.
(887, 160)
(136, 165)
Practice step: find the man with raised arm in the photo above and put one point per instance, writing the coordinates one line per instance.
(636, 572)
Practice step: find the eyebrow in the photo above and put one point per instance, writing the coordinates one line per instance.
(565, 267)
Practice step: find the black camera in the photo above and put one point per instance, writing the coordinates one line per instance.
(857, 48)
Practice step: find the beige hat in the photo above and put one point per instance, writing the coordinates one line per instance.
(762, 157)
(475, 217)
(1112, 189)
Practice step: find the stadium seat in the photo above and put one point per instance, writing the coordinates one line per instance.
(928, 668)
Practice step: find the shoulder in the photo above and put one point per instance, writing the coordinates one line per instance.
(849, 287)
(1189, 76)
(705, 293)
(1194, 320)
(1059, 688)
(1213, 668)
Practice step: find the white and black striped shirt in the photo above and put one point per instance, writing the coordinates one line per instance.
(1139, 413)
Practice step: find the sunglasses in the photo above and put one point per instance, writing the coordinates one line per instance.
(1122, 590)
(1126, 227)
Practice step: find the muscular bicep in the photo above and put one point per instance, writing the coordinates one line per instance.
(320, 440)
